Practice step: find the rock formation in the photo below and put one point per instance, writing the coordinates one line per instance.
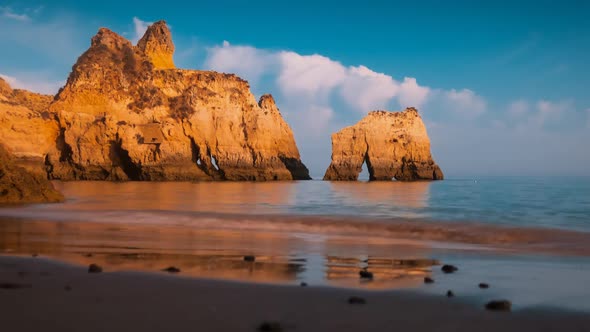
(392, 144)
(17, 185)
(126, 113)
(27, 129)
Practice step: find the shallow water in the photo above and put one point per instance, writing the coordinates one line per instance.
(324, 233)
(554, 202)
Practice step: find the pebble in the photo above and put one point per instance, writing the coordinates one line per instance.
(484, 285)
(450, 293)
(428, 280)
(364, 274)
(171, 269)
(93, 268)
(270, 327)
(449, 268)
(249, 258)
(356, 300)
(499, 305)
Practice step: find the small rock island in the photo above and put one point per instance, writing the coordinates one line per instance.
(394, 145)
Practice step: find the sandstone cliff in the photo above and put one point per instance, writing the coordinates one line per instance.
(27, 129)
(393, 145)
(18, 185)
(126, 113)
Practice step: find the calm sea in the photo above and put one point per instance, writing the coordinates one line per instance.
(547, 202)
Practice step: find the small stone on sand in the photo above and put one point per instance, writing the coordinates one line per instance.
(303, 284)
(364, 274)
(270, 327)
(68, 288)
(499, 305)
(449, 268)
(428, 280)
(12, 285)
(171, 269)
(93, 268)
(483, 285)
(356, 300)
(249, 258)
(35, 255)
(450, 293)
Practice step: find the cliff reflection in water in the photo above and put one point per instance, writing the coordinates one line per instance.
(280, 258)
(379, 199)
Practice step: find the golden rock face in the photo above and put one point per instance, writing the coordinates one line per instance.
(202, 125)
(158, 46)
(392, 144)
(17, 185)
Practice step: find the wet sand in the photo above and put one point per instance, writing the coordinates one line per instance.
(59, 297)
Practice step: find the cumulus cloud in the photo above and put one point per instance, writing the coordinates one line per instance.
(412, 94)
(518, 108)
(549, 111)
(246, 61)
(466, 101)
(33, 83)
(309, 75)
(366, 90)
(317, 78)
(140, 28)
(7, 12)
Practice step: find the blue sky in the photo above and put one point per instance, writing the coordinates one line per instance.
(502, 87)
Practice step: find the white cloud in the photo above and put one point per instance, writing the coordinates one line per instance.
(518, 108)
(140, 28)
(7, 12)
(33, 83)
(367, 90)
(311, 76)
(248, 62)
(411, 94)
(465, 101)
(549, 111)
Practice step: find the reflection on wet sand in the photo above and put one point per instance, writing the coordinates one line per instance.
(279, 258)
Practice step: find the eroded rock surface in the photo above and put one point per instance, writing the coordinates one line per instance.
(392, 144)
(27, 129)
(17, 185)
(126, 113)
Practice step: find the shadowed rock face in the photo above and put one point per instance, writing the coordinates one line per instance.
(17, 185)
(126, 113)
(393, 145)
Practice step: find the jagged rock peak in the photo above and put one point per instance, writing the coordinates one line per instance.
(5, 88)
(392, 144)
(110, 39)
(157, 44)
(267, 102)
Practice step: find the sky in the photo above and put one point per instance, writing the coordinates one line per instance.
(502, 86)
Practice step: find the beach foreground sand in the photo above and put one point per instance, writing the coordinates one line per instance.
(38, 294)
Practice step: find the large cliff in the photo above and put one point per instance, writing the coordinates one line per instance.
(126, 113)
(392, 144)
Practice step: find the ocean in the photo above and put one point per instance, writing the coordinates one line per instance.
(520, 234)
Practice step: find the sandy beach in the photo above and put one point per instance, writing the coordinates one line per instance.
(39, 294)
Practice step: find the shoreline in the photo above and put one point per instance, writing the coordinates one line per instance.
(64, 297)
(436, 234)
